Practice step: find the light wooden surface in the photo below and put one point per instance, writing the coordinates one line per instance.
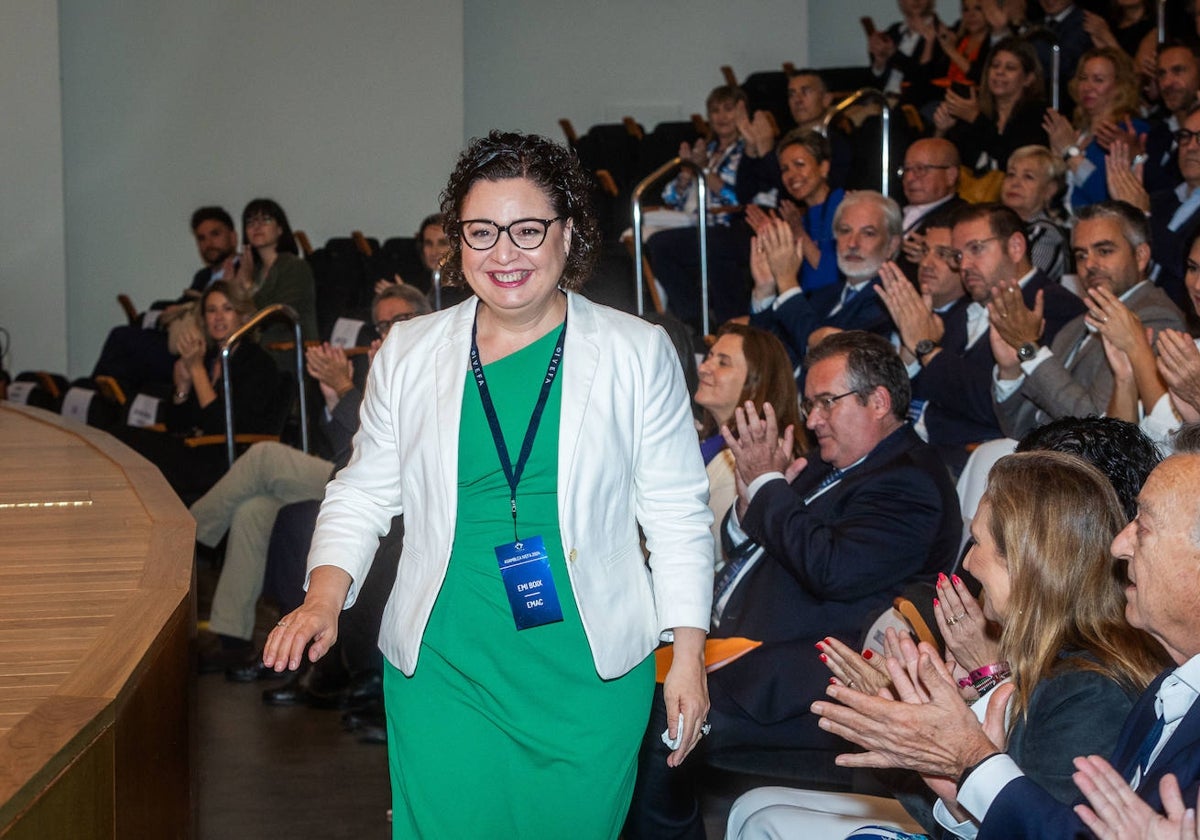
(95, 568)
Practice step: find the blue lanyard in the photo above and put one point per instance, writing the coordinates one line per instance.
(489, 409)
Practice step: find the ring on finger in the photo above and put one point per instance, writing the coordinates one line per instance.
(959, 617)
(952, 620)
(281, 623)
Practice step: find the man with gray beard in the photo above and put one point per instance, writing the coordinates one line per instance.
(867, 228)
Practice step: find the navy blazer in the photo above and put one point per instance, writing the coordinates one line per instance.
(1025, 810)
(1168, 247)
(957, 383)
(830, 564)
(799, 315)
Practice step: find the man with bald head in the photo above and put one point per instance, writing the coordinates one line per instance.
(930, 179)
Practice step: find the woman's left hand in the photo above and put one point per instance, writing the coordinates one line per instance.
(965, 108)
(1115, 321)
(685, 691)
(963, 624)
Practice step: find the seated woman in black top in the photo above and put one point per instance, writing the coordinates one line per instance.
(1005, 114)
(197, 405)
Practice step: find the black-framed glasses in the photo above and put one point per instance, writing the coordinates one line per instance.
(821, 402)
(259, 219)
(921, 169)
(1183, 137)
(526, 234)
(382, 327)
(976, 248)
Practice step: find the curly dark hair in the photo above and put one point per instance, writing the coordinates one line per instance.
(1119, 449)
(553, 168)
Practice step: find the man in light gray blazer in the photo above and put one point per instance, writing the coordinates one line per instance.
(1035, 384)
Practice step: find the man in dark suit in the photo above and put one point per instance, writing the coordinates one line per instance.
(1161, 734)
(1064, 19)
(137, 355)
(1177, 70)
(1071, 377)
(1175, 212)
(808, 558)
(867, 228)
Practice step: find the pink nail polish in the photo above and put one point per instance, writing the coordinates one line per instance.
(957, 580)
(819, 646)
(941, 578)
(936, 602)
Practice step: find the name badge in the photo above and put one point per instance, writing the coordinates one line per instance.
(525, 570)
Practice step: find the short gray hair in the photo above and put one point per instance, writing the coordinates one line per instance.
(893, 219)
(409, 294)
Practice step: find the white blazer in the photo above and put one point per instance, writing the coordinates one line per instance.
(627, 454)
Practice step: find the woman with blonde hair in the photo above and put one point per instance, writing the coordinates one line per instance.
(1105, 87)
(1047, 575)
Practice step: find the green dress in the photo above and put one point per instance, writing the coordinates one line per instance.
(500, 732)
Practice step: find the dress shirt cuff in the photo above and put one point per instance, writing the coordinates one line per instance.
(785, 297)
(1002, 389)
(733, 528)
(762, 304)
(1081, 173)
(912, 369)
(982, 787)
(1043, 354)
(757, 483)
(1161, 421)
(946, 820)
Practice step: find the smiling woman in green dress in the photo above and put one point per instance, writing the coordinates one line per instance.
(525, 435)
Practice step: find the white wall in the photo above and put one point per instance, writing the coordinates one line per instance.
(836, 36)
(528, 64)
(348, 114)
(32, 266)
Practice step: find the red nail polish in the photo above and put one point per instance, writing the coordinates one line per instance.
(957, 580)
(823, 658)
(941, 578)
(868, 653)
(935, 602)
(818, 646)
(833, 681)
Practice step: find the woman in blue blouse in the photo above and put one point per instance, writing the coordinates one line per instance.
(802, 248)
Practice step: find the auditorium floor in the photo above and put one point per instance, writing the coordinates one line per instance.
(268, 772)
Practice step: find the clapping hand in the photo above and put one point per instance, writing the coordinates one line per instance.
(1016, 323)
(969, 637)
(1179, 364)
(1124, 177)
(1118, 813)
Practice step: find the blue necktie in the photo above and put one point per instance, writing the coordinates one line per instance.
(1145, 750)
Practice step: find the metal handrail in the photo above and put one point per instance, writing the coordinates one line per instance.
(281, 310)
(885, 132)
(702, 198)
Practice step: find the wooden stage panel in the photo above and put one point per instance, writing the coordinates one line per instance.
(95, 618)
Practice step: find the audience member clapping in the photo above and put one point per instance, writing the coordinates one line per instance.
(1073, 663)
(1004, 114)
(800, 246)
(1106, 88)
(745, 364)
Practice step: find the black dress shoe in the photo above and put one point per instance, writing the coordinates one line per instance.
(292, 693)
(250, 670)
(365, 687)
(368, 714)
(373, 735)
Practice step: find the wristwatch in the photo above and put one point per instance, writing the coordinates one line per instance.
(924, 347)
(1027, 351)
(1072, 151)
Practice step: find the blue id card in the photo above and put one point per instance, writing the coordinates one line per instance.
(525, 569)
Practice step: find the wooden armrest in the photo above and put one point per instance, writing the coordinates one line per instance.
(789, 67)
(605, 179)
(213, 440)
(909, 610)
(110, 389)
(158, 427)
(632, 127)
(47, 381)
(361, 242)
(568, 131)
(131, 313)
(302, 240)
(281, 346)
(729, 76)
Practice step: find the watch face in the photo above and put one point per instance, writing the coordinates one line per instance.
(1026, 352)
(924, 346)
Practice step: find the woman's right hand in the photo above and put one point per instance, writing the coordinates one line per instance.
(1059, 131)
(963, 625)
(244, 279)
(315, 621)
(864, 672)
